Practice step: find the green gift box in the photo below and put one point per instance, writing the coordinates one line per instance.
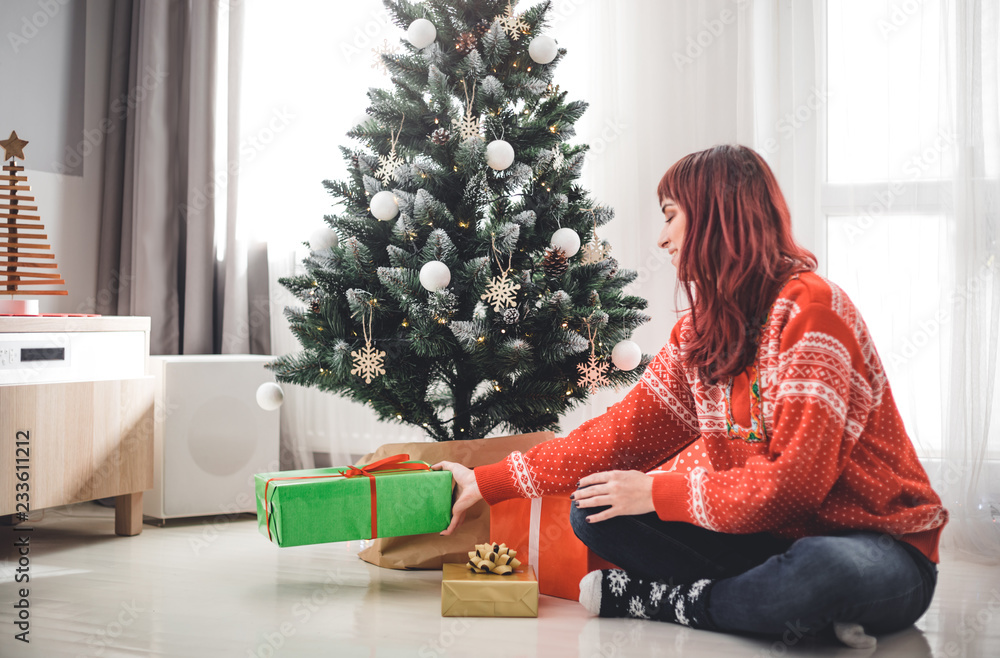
(321, 505)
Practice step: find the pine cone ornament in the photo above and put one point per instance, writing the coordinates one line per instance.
(441, 136)
(465, 43)
(510, 315)
(354, 161)
(555, 262)
(614, 266)
(481, 28)
(595, 299)
(314, 306)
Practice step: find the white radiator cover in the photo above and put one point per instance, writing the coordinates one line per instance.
(210, 436)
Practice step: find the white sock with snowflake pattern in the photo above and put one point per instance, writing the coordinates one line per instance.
(616, 593)
(590, 592)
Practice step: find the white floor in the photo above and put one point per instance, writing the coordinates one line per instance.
(215, 587)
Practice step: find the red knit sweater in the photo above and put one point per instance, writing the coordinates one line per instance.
(835, 458)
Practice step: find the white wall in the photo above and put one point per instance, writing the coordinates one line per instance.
(42, 69)
(70, 206)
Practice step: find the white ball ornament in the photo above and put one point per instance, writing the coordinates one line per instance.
(322, 239)
(384, 206)
(543, 49)
(435, 275)
(626, 355)
(499, 154)
(567, 240)
(421, 33)
(270, 396)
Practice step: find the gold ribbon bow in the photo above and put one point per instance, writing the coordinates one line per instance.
(493, 558)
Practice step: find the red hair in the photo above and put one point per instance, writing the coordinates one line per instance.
(737, 251)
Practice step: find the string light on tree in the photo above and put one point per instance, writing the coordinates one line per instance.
(421, 33)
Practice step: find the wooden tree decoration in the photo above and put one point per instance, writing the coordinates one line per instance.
(26, 262)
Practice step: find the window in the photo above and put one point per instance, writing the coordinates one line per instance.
(885, 195)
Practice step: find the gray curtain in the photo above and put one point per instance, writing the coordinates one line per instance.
(169, 192)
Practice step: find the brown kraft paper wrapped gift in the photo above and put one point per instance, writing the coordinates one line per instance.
(432, 551)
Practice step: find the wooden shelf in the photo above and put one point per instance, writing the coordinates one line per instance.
(87, 439)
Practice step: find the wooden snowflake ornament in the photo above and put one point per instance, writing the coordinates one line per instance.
(387, 163)
(594, 252)
(558, 159)
(387, 166)
(368, 363)
(368, 360)
(513, 24)
(468, 126)
(378, 62)
(593, 374)
(501, 293)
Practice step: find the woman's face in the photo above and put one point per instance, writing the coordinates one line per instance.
(672, 234)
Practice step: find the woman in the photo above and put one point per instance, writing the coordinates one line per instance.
(817, 514)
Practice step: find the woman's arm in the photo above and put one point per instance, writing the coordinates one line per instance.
(656, 419)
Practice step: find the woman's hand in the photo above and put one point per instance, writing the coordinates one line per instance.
(468, 492)
(626, 492)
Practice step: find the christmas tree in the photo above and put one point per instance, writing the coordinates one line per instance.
(453, 293)
(23, 246)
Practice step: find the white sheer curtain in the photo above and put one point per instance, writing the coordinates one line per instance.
(881, 121)
(971, 476)
(299, 100)
(660, 78)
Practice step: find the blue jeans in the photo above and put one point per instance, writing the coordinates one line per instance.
(772, 586)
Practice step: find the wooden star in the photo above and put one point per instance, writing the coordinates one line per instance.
(13, 147)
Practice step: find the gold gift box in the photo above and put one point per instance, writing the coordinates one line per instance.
(468, 594)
